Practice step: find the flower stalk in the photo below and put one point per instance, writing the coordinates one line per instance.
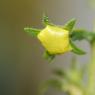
(91, 72)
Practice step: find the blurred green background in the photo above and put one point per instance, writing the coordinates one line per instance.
(22, 67)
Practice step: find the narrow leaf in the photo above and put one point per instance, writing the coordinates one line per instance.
(62, 74)
(32, 31)
(54, 83)
(48, 56)
(70, 24)
(76, 49)
(59, 72)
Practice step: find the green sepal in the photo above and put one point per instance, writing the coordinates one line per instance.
(32, 31)
(46, 20)
(76, 50)
(70, 25)
(48, 56)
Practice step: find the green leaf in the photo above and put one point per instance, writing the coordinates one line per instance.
(70, 24)
(54, 83)
(62, 74)
(76, 49)
(48, 56)
(46, 20)
(32, 31)
(59, 72)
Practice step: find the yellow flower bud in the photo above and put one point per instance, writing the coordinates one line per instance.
(55, 39)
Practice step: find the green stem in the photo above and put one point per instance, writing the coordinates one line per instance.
(91, 72)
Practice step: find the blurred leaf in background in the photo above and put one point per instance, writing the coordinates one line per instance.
(91, 3)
